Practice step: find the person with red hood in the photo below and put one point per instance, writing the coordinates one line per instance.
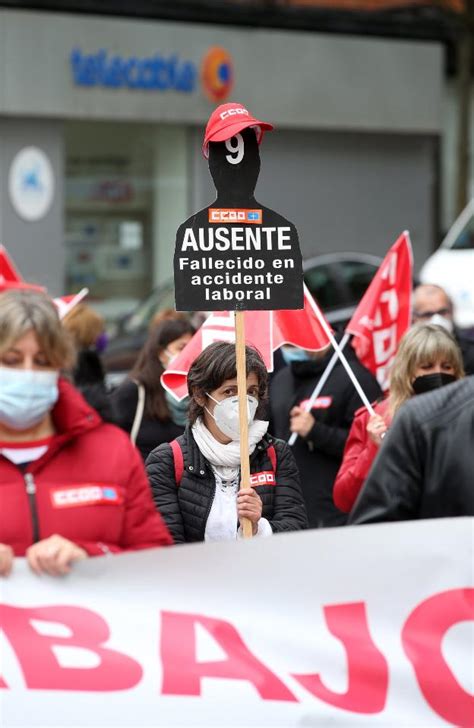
(71, 486)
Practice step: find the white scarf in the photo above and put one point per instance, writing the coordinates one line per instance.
(225, 459)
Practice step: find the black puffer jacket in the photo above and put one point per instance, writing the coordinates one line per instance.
(89, 378)
(465, 342)
(425, 466)
(185, 508)
(319, 454)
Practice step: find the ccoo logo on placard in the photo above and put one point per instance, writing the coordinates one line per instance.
(219, 214)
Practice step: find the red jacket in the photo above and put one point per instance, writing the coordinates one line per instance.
(359, 454)
(90, 487)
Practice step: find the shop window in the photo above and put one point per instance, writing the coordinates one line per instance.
(110, 211)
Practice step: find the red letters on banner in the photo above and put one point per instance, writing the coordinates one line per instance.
(182, 674)
(39, 664)
(368, 673)
(367, 667)
(422, 638)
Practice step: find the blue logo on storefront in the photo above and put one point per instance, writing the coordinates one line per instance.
(155, 73)
(31, 180)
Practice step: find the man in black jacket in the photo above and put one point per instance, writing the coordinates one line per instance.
(323, 431)
(425, 467)
(432, 304)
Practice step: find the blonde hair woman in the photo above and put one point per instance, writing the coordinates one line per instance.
(55, 452)
(428, 357)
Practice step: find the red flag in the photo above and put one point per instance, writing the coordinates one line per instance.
(9, 276)
(8, 272)
(265, 330)
(384, 313)
(300, 328)
(64, 304)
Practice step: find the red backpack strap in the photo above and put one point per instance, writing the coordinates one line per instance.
(178, 461)
(273, 457)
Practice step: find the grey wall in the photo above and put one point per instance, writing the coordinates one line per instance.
(36, 247)
(297, 80)
(356, 168)
(344, 192)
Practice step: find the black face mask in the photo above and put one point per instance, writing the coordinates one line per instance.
(427, 382)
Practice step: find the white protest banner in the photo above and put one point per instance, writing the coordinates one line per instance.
(361, 626)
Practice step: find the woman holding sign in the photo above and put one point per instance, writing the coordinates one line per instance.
(71, 486)
(196, 479)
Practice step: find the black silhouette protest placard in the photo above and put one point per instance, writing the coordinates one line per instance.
(236, 254)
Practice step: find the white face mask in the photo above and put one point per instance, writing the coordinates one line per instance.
(446, 323)
(226, 414)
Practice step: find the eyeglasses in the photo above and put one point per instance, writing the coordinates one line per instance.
(429, 314)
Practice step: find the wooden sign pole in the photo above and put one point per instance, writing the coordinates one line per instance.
(243, 411)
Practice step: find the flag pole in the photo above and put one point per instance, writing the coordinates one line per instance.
(317, 390)
(341, 355)
(72, 303)
(246, 523)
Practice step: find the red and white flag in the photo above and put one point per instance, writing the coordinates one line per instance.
(11, 278)
(265, 330)
(64, 304)
(9, 275)
(8, 272)
(384, 313)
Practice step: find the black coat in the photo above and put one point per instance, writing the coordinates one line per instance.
(89, 379)
(319, 454)
(185, 508)
(152, 431)
(425, 467)
(466, 344)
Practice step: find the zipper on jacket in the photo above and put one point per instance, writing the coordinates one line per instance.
(209, 508)
(30, 486)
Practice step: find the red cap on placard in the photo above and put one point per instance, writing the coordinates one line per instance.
(228, 120)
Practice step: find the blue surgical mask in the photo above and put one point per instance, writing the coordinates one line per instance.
(178, 410)
(26, 396)
(293, 353)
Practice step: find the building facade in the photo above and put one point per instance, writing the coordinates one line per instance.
(101, 122)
